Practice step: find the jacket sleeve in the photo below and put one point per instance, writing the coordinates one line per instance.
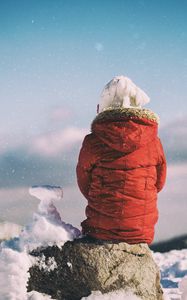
(85, 165)
(161, 168)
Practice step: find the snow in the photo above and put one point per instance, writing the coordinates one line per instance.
(122, 92)
(47, 193)
(47, 228)
(119, 295)
(37, 296)
(183, 288)
(13, 274)
(48, 265)
(173, 267)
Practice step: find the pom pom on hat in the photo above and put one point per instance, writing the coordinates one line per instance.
(122, 92)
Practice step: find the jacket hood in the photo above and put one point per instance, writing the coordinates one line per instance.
(126, 129)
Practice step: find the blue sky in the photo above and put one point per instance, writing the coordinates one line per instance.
(61, 53)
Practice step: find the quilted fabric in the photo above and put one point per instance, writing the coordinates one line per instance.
(120, 170)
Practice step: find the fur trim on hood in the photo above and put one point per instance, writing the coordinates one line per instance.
(121, 113)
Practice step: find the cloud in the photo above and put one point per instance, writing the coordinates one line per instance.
(99, 47)
(48, 144)
(49, 158)
(52, 144)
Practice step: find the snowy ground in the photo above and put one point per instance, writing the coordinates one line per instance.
(47, 228)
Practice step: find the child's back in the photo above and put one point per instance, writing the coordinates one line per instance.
(120, 170)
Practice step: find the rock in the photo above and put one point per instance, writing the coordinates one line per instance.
(83, 265)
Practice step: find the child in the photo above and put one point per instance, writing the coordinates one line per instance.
(122, 166)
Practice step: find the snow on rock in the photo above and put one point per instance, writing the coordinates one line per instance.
(46, 228)
(46, 192)
(48, 265)
(41, 232)
(37, 296)
(119, 295)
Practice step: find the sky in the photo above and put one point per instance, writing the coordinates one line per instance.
(55, 58)
(63, 52)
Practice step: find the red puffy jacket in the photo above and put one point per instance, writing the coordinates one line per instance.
(121, 169)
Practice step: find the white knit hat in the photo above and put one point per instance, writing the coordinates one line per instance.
(122, 92)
